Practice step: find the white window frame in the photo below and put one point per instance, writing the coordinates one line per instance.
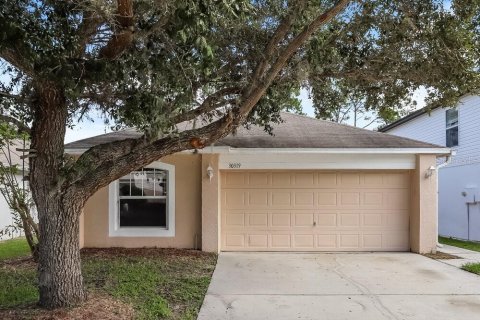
(455, 125)
(114, 214)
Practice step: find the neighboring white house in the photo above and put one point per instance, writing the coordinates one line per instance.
(459, 181)
(5, 215)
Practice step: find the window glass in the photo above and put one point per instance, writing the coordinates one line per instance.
(452, 118)
(452, 137)
(143, 198)
(143, 213)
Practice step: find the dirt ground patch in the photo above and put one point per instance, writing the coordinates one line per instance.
(96, 307)
(169, 253)
(26, 262)
(441, 256)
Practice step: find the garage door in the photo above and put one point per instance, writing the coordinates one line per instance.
(315, 211)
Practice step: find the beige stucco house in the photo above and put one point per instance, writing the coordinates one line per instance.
(312, 186)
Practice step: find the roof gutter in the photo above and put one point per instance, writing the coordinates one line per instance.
(448, 161)
(435, 150)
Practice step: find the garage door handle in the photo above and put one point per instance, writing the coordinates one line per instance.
(314, 223)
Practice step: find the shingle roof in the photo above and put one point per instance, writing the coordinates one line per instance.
(295, 132)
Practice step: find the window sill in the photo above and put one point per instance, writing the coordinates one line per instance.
(141, 232)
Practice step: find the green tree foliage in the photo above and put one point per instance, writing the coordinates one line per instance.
(389, 49)
(182, 51)
(350, 106)
(14, 191)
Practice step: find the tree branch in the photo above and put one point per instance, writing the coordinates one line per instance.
(156, 27)
(371, 122)
(10, 96)
(23, 128)
(15, 59)
(112, 160)
(356, 75)
(123, 37)
(344, 114)
(272, 46)
(208, 105)
(251, 100)
(90, 23)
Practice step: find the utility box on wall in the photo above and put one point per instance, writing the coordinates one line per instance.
(471, 194)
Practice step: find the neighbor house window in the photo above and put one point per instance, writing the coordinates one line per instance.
(452, 127)
(142, 202)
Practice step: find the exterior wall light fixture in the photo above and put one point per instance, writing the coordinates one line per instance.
(430, 171)
(210, 172)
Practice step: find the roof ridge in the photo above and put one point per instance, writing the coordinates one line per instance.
(100, 135)
(333, 122)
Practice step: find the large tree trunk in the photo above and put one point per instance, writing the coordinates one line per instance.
(59, 267)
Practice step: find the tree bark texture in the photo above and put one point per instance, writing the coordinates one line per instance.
(59, 267)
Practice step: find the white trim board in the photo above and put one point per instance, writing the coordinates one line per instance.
(317, 161)
(439, 151)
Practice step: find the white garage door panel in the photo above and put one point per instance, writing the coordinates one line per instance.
(315, 211)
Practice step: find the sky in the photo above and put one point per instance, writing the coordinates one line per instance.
(96, 126)
(87, 129)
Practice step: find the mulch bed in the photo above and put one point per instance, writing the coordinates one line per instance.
(167, 253)
(116, 252)
(25, 262)
(96, 307)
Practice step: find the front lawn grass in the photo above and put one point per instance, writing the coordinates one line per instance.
(18, 285)
(472, 267)
(470, 245)
(156, 283)
(14, 248)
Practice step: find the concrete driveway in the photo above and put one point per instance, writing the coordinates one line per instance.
(352, 286)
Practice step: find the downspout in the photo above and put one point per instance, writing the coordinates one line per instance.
(437, 168)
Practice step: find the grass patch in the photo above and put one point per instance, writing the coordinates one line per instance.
(470, 245)
(156, 283)
(14, 248)
(18, 286)
(134, 280)
(472, 267)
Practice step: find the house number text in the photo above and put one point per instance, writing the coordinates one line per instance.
(234, 165)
